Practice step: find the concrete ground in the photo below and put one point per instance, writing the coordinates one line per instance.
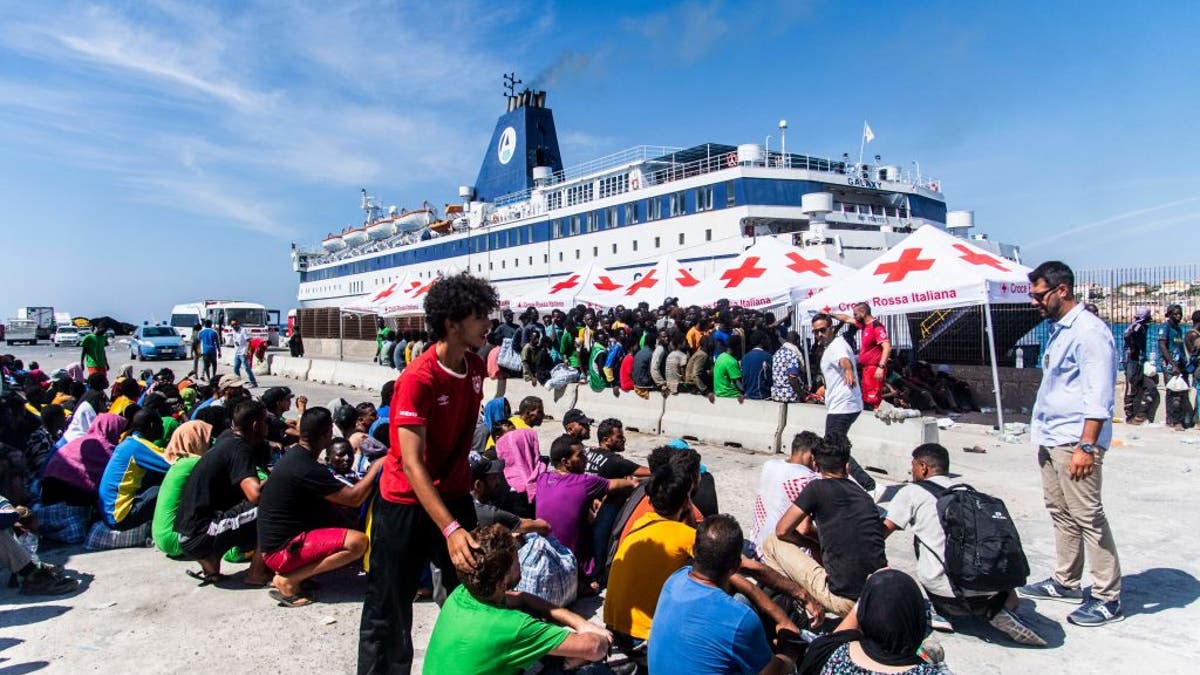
(136, 610)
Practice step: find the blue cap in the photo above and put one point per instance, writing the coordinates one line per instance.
(680, 444)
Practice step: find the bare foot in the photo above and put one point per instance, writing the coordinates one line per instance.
(284, 585)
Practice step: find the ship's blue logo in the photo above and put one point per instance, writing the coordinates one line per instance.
(508, 145)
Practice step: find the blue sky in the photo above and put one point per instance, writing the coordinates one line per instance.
(158, 152)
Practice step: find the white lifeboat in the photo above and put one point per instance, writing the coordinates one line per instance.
(411, 221)
(382, 228)
(333, 242)
(355, 236)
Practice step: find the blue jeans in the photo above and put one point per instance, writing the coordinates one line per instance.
(238, 361)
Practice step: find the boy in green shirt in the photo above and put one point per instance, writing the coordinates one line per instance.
(727, 372)
(484, 628)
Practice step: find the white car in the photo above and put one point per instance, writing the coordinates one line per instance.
(66, 336)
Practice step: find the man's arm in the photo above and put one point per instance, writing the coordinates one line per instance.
(356, 495)
(252, 488)
(615, 484)
(1166, 353)
(847, 367)
(886, 347)
(889, 527)
(768, 577)
(536, 525)
(785, 529)
(763, 604)
(460, 543)
(589, 641)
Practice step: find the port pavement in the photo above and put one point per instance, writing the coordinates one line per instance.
(137, 609)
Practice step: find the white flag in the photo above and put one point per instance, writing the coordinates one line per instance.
(868, 135)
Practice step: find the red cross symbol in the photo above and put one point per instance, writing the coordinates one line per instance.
(686, 279)
(800, 265)
(1003, 288)
(979, 258)
(413, 285)
(810, 292)
(571, 282)
(910, 260)
(384, 293)
(606, 284)
(423, 290)
(735, 276)
(647, 281)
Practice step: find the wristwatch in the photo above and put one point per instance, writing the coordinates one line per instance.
(1087, 447)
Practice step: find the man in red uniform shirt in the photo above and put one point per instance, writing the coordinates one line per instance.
(424, 512)
(874, 348)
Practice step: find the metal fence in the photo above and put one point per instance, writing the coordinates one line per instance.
(332, 323)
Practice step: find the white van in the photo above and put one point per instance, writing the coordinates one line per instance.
(20, 330)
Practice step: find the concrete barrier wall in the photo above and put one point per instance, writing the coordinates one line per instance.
(754, 425)
(882, 446)
(322, 371)
(362, 375)
(637, 413)
(287, 366)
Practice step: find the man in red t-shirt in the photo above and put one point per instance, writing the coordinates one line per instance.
(874, 349)
(425, 512)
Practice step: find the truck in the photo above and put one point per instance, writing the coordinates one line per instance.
(42, 317)
(20, 330)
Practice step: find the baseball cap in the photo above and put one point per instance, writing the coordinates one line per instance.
(229, 382)
(345, 415)
(576, 415)
(484, 467)
(276, 394)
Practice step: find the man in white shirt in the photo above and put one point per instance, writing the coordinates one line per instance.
(915, 507)
(843, 397)
(781, 482)
(241, 350)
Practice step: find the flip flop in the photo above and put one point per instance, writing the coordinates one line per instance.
(298, 600)
(205, 579)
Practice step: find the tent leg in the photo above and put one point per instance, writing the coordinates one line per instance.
(341, 333)
(991, 335)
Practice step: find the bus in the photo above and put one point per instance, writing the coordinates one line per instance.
(257, 319)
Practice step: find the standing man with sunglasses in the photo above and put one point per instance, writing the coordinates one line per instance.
(1072, 425)
(843, 397)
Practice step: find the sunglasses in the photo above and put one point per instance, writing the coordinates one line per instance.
(821, 329)
(1039, 296)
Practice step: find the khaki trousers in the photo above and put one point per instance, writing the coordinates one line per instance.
(795, 564)
(1079, 523)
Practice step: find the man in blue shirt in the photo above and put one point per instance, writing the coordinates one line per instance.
(210, 349)
(1072, 425)
(699, 628)
(756, 368)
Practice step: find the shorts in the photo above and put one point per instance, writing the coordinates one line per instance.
(92, 370)
(209, 359)
(306, 548)
(236, 527)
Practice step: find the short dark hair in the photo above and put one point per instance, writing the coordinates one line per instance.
(529, 404)
(385, 393)
(805, 440)
(455, 298)
(364, 408)
(821, 316)
(864, 306)
(832, 454)
(208, 323)
(687, 461)
(338, 445)
(935, 455)
(607, 428)
(659, 457)
(316, 422)
(217, 416)
(718, 548)
(97, 381)
(147, 423)
(493, 560)
(1054, 272)
(247, 413)
(668, 489)
(130, 388)
(561, 448)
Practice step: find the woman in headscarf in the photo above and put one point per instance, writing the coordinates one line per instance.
(488, 429)
(75, 372)
(883, 634)
(189, 442)
(522, 463)
(92, 403)
(74, 471)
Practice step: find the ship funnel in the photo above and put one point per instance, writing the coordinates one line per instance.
(958, 222)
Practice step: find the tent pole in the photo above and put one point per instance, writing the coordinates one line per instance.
(991, 334)
(341, 332)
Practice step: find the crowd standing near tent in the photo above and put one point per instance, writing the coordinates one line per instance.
(439, 494)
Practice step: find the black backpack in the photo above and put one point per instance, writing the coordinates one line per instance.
(983, 549)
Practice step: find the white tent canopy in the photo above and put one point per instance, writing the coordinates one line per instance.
(931, 269)
(770, 273)
(385, 300)
(668, 278)
(562, 292)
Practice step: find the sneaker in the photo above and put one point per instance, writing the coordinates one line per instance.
(43, 582)
(939, 622)
(1097, 613)
(1049, 589)
(1013, 626)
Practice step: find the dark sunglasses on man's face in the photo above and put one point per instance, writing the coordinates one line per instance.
(1039, 296)
(822, 329)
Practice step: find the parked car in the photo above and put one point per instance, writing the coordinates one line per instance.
(66, 335)
(20, 330)
(156, 342)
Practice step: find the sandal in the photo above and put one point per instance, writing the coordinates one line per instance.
(298, 600)
(205, 579)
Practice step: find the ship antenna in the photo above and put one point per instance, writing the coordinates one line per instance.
(510, 83)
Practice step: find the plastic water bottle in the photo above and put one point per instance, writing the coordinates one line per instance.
(1020, 358)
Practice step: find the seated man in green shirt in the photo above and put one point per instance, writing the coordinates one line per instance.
(727, 371)
(484, 628)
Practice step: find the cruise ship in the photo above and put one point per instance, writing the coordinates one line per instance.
(528, 218)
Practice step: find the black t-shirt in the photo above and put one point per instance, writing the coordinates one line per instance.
(293, 499)
(276, 429)
(487, 514)
(851, 532)
(641, 368)
(608, 464)
(215, 484)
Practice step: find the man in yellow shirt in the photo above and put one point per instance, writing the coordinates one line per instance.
(530, 413)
